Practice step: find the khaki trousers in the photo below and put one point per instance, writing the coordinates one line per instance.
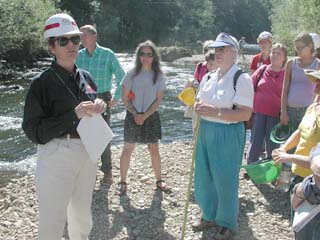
(65, 178)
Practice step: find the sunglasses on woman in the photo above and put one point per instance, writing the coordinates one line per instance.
(146, 54)
(63, 41)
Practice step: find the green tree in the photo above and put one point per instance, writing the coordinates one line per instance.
(286, 24)
(83, 11)
(242, 17)
(195, 21)
(123, 24)
(21, 23)
(296, 18)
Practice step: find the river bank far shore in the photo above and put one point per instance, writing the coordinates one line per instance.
(145, 213)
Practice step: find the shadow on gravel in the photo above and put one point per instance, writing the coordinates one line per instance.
(101, 213)
(279, 201)
(245, 232)
(140, 223)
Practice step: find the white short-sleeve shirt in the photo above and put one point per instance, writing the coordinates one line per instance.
(221, 94)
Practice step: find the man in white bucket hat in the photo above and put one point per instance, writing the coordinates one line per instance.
(56, 101)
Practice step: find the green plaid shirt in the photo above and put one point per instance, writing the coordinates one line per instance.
(102, 65)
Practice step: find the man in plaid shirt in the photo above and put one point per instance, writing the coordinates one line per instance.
(103, 65)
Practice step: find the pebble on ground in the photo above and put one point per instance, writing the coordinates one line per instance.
(145, 213)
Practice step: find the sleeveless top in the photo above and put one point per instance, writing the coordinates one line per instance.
(301, 90)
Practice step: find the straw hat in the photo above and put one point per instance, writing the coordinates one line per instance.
(313, 75)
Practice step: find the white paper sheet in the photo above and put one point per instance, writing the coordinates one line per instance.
(304, 214)
(95, 135)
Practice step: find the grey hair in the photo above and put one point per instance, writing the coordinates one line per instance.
(236, 51)
(90, 28)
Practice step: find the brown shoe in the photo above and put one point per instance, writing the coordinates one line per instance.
(107, 178)
(224, 234)
(246, 176)
(202, 225)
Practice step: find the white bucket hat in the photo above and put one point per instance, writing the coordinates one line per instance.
(60, 24)
(225, 39)
(264, 35)
(316, 40)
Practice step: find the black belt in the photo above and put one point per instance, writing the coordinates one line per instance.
(71, 136)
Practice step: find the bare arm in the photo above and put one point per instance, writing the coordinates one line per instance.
(284, 119)
(140, 118)
(297, 197)
(155, 105)
(280, 155)
(292, 141)
(127, 102)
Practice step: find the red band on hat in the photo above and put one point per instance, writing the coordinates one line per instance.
(50, 26)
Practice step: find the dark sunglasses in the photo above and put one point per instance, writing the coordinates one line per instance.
(146, 54)
(63, 41)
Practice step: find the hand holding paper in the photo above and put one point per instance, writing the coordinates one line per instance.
(95, 135)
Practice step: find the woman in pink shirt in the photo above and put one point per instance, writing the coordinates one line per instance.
(267, 101)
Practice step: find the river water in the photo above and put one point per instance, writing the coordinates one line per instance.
(17, 153)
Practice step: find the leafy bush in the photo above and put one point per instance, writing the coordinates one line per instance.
(22, 22)
(290, 17)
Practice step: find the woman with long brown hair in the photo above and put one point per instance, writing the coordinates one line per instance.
(142, 92)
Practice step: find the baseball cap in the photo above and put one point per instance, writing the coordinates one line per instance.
(315, 39)
(60, 24)
(264, 35)
(224, 39)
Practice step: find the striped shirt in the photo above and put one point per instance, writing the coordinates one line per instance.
(102, 65)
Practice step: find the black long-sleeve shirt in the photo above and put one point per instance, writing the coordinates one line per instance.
(51, 100)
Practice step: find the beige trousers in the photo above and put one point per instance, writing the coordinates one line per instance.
(65, 178)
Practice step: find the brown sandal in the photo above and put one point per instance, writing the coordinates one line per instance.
(162, 187)
(122, 188)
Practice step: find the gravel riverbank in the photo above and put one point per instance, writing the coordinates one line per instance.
(147, 214)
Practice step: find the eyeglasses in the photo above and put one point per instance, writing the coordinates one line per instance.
(63, 41)
(220, 49)
(299, 48)
(146, 54)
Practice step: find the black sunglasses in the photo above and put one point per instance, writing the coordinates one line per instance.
(146, 54)
(63, 41)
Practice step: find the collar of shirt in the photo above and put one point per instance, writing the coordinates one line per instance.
(229, 74)
(63, 73)
(95, 52)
